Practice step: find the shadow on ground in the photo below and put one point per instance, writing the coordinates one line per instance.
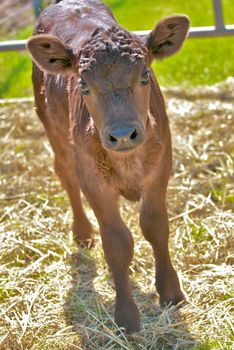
(91, 316)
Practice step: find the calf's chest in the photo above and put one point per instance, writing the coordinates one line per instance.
(127, 175)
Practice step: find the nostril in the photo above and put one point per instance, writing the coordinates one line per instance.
(112, 139)
(133, 135)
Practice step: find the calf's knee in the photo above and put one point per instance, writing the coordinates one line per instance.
(118, 246)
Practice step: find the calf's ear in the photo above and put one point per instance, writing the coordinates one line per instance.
(50, 54)
(168, 36)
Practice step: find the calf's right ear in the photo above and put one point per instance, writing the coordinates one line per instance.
(50, 54)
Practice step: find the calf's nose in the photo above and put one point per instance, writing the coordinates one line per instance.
(122, 134)
(123, 137)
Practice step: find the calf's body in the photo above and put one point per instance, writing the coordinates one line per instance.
(104, 115)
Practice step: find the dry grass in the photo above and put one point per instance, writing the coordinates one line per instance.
(54, 296)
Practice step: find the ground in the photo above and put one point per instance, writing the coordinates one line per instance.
(56, 296)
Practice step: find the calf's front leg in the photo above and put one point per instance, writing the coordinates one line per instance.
(118, 248)
(118, 245)
(154, 225)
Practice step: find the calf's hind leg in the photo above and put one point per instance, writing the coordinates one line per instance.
(82, 229)
(64, 162)
(65, 165)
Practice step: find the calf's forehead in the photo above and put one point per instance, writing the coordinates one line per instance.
(106, 77)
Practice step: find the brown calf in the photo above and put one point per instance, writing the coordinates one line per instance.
(104, 115)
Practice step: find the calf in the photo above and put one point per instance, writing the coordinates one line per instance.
(104, 115)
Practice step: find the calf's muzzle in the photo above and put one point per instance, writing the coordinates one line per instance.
(121, 138)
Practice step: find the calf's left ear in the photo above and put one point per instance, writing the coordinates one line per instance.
(168, 36)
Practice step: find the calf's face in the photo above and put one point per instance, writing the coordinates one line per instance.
(112, 72)
(117, 97)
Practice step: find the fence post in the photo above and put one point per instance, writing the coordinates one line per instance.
(37, 7)
(218, 12)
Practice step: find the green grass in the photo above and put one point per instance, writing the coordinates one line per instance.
(15, 68)
(136, 15)
(202, 61)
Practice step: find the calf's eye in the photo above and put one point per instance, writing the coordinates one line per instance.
(145, 77)
(83, 87)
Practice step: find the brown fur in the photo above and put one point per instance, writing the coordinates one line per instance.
(104, 44)
(81, 39)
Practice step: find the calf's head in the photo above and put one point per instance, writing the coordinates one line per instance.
(112, 72)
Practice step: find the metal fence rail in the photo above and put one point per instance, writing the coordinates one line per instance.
(219, 29)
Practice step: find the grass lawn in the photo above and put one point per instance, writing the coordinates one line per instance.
(202, 61)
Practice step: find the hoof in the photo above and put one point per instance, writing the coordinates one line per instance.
(168, 287)
(85, 243)
(178, 300)
(127, 316)
(82, 235)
